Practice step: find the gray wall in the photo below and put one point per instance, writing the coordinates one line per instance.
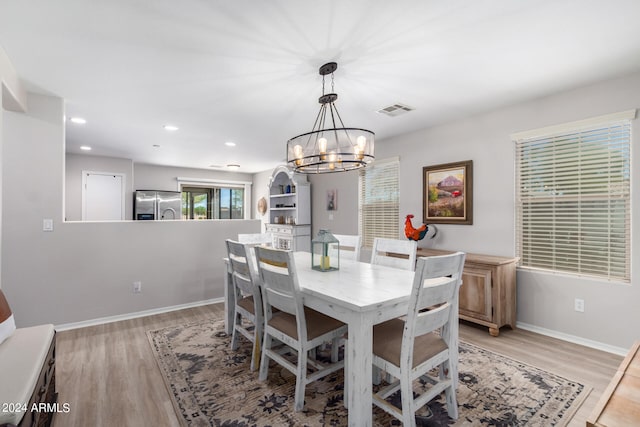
(12, 97)
(344, 220)
(260, 189)
(154, 177)
(76, 163)
(545, 301)
(84, 271)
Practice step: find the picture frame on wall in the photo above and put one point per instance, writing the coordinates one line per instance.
(332, 200)
(447, 193)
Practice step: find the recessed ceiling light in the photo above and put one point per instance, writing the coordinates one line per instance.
(233, 166)
(230, 144)
(156, 146)
(77, 120)
(85, 148)
(170, 128)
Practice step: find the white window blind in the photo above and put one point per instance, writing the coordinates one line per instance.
(573, 200)
(378, 200)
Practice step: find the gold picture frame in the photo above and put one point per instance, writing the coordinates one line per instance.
(447, 193)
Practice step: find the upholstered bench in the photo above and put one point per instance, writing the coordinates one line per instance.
(27, 373)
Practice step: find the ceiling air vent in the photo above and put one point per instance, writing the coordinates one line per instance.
(396, 110)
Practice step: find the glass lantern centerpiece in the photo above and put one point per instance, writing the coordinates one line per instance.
(325, 252)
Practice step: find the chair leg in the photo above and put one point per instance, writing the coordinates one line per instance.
(257, 345)
(301, 379)
(452, 404)
(450, 392)
(264, 359)
(234, 336)
(377, 375)
(408, 405)
(335, 348)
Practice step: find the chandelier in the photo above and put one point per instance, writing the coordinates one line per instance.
(330, 146)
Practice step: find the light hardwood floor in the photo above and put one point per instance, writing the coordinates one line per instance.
(109, 377)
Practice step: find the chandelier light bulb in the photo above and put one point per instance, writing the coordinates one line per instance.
(332, 160)
(322, 147)
(297, 152)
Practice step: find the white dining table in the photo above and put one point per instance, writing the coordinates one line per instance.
(360, 295)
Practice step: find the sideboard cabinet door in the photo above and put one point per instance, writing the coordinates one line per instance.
(475, 294)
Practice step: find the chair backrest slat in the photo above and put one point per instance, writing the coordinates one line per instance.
(350, 246)
(429, 321)
(243, 274)
(433, 298)
(394, 253)
(279, 283)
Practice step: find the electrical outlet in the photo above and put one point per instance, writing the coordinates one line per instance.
(137, 287)
(578, 305)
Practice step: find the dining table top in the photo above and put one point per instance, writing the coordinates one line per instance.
(357, 286)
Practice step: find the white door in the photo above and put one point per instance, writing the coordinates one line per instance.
(102, 196)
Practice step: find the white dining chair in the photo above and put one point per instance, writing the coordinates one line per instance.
(300, 329)
(248, 299)
(256, 238)
(408, 348)
(349, 246)
(394, 253)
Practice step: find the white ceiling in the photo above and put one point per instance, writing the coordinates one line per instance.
(247, 71)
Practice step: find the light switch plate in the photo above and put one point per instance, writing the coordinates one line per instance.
(47, 225)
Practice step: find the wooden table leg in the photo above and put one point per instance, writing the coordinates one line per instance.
(359, 354)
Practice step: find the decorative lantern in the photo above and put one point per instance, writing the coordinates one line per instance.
(325, 252)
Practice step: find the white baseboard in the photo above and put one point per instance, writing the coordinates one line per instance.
(574, 339)
(127, 316)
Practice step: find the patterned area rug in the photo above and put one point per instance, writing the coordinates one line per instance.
(211, 385)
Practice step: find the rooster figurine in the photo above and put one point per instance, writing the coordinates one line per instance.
(414, 233)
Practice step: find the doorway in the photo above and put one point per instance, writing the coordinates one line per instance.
(103, 196)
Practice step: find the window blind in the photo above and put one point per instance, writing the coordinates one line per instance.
(573, 202)
(378, 201)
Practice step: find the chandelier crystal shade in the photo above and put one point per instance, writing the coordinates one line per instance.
(330, 146)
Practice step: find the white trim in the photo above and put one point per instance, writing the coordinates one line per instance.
(574, 126)
(194, 181)
(620, 351)
(123, 189)
(128, 316)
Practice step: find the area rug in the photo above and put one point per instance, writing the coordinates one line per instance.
(211, 385)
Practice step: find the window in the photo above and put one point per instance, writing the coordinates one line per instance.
(573, 197)
(214, 199)
(378, 200)
(212, 203)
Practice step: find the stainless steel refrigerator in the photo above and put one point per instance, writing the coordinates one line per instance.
(157, 205)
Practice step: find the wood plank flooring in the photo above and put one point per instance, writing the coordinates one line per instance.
(108, 375)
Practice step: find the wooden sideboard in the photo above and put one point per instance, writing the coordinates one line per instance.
(488, 291)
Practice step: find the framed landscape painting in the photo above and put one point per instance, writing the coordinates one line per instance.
(447, 192)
